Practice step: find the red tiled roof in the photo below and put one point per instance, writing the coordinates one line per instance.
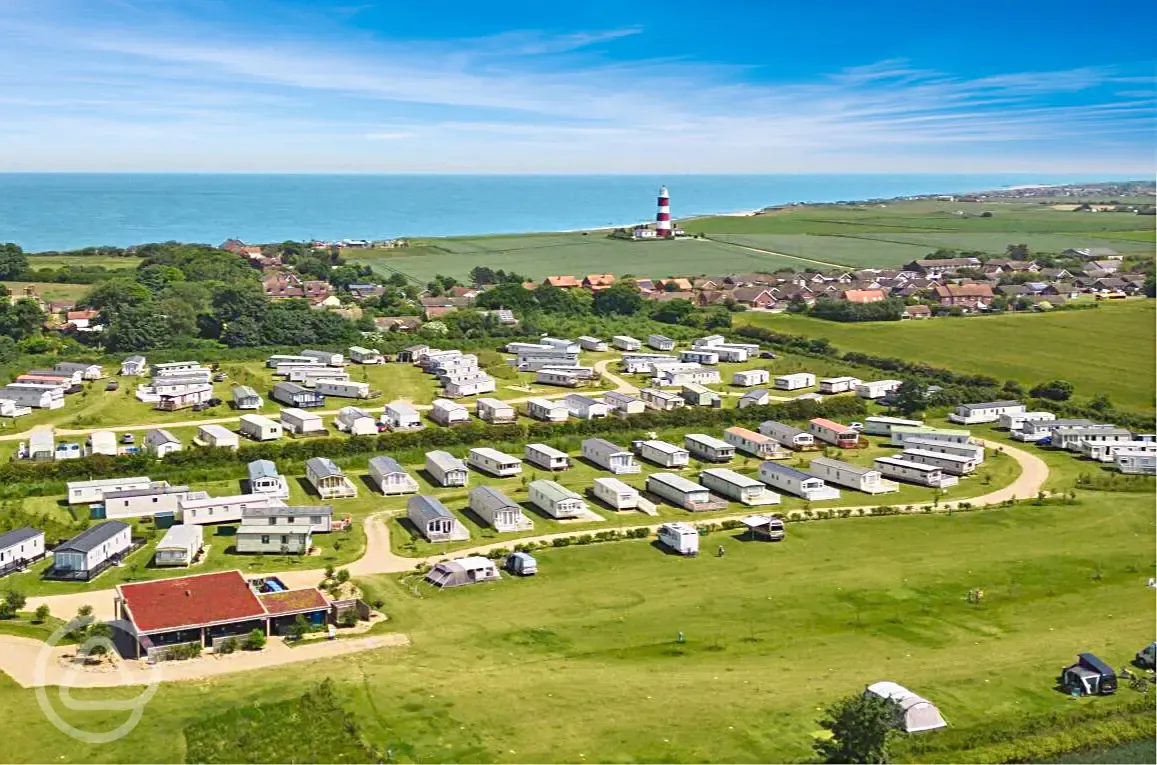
(864, 296)
(821, 422)
(293, 601)
(562, 281)
(89, 314)
(190, 601)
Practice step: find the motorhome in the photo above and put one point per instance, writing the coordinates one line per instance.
(682, 538)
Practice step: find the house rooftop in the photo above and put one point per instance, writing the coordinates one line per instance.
(262, 469)
(16, 536)
(988, 405)
(445, 460)
(190, 601)
(386, 465)
(293, 601)
(428, 508)
(93, 537)
(323, 467)
(841, 465)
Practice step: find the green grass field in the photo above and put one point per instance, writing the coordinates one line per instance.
(581, 663)
(1106, 350)
(50, 290)
(59, 261)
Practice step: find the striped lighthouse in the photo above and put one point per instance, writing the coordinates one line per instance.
(663, 218)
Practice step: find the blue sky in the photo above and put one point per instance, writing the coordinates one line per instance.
(597, 86)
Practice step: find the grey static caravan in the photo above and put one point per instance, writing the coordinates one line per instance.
(180, 546)
(355, 421)
(217, 436)
(494, 462)
(838, 384)
(33, 396)
(788, 435)
(556, 500)
(259, 428)
(446, 412)
(952, 464)
(914, 472)
(359, 355)
(796, 482)
(622, 404)
(697, 376)
(285, 361)
(664, 454)
(160, 442)
(709, 341)
(609, 456)
(494, 411)
(329, 386)
(1072, 439)
(328, 479)
(170, 367)
(585, 407)
(989, 411)
(901, 434)
(300, 422)
(202, 509)
(546, 457)
(84, 369)
(566, 346)
(471, 386)
(644, 363)
(709, 448)
(1135, 461)
(626, 343)
(547, 410)
(699, 356)
(660, 342)
(877, 388)
(296, 396)
(390, 477)
(265, 479)
(244, 397)
(434, 521)
(498, 510)
(755, 444)
(661, 400)
(736, 486)
(134, 366)
(89, 492)
(865, 479)
(329, 358)
(159, 498)
(699, 395)
(308, 376)
(682, 492)
(1016, 420)
(618, 495)
(317, 518)
(92, 550)
(974, 451)
(588, 343)
(796, 381)
(398, 415)
(735, 352)
(20, 547)
(564, 378)
(446, 469)
(757, 397)
(749, 378)
(882, 426)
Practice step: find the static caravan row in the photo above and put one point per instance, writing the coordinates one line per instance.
(914, 472)
(494, 411)
(796, 482)
(494, 462)
(556, 500)
(736, 486)
(751, 377)
(546, 457)
(498, 510)
(391, 477)
(755, 444)
(446, 412)
(259, 427)
(865, 479)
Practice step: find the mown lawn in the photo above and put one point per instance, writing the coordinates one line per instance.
(1106, 350)
(582, 664)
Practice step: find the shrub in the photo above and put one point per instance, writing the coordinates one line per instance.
(226, 646)
(255, 640)
(42, 613)
(348, 618)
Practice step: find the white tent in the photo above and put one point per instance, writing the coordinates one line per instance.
(920, 714)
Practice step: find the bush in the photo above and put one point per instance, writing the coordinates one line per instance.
(42, 613)
(255, 640)
(348, 618)
(226, 647)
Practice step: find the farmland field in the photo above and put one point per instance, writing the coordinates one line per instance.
(1105, 350)
(50, 290)
(581, 663)
(59, 261)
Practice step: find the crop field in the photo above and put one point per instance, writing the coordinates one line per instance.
(50, 290)
(1106, 350)
(539, 256)
(581, 663)
(59, 261)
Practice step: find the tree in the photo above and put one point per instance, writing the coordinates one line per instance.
(862, 726)
(159, 277)
(118, 293)
(255, 640)
(135, 328)
(19, 319)
(674, 311)
(623, 298)
(1150, 288)
(12, 603)
(1101, 402)
(1018, 252)
(13, 261)
(480, 275)
(42, 613)
(1053, 390)
(97, 638)
(236, 300)
(297, 630)
(242, 333)
(909, 397)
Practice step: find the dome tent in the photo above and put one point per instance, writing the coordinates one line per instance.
(917, 713)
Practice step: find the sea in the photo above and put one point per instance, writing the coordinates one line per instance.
(64, 211)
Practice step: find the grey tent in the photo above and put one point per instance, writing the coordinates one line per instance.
(917, 713)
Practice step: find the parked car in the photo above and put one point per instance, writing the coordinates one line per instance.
(766, 355)
(128, 438)
(856, 425)
(1088, 677)
(112, 385)
(1147, 657)
(220, 377)
(213, 402)
(75, 388)
(200, 406)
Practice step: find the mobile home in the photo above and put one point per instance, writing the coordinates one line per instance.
(329, 358)
(736, 486)
(708, 448)
(180, 546)
(398, 415)
(749, 378)
(787, 435)
(877, 388)
(563, 378)
(494, 411)
(585, 407)
(265, 479)
(259, 427)
(493, 462)
(391, 477)
(203, 509)
(191, 396)
(91, 551)
(359, 355)
(470, 385)
(902, 433)
(328, 479)
(1072, 439)
(279, 362)
(87, 371)
(134, 366)
(355, 421)
(757, 397)
(667, 377)
(796, 381)
(699, 356)
(664, 454)
(434, 521)
(556, 500)
(19, 547)
(952, 464)
(615, 493)
(90, 492)
(838, 384)
(682, 492)
(1135, 461)
(588, 343)
(547, 410)
(661, 399)
(796, 482)
(447, 412)
(245, 397)
(300, 422)
(914, 472)
(882, 426)
(755, 444)
(446, 469)
(609, 456)
(329, 386)
(988, 411)
(498, 510)
(623, 404)
(698, 395)
(682, 538)
(1015, 421)
(160, 442)
(296, 396)
(973, 451)
(660, 342)
(626, 343)
(865, 479)
(546, 457)
(156, 499)
(834, 433)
